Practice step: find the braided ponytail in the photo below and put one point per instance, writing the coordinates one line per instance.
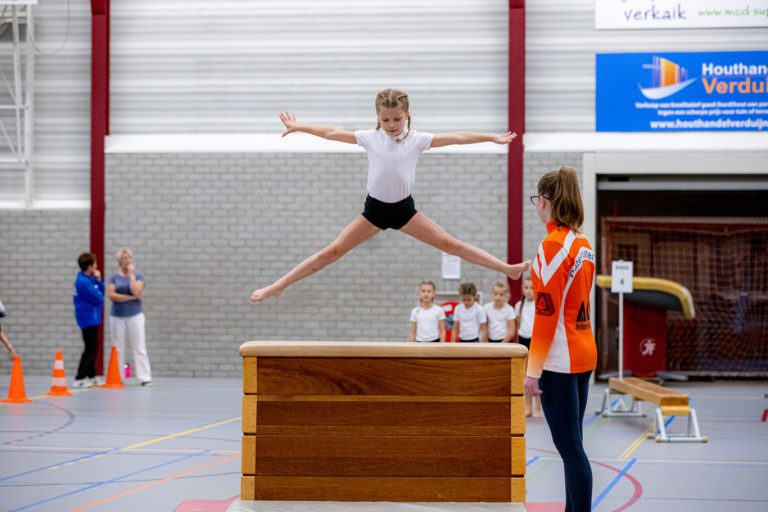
(392, 98)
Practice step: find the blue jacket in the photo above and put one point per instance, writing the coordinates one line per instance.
(88, 299)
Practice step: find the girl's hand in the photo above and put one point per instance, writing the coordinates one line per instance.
(505, 138)
(289, 120)
(532, 386)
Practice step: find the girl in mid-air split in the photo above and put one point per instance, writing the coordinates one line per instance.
(393, 149)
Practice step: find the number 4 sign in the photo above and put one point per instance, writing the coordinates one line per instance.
(621, 276)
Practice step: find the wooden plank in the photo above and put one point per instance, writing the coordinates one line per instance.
(384, 418)
(384, 349)
(249, 414)
(384, 456)
(675, 410)
(249, 455)
(518, 490)
(518, 456)
(647, 391)
(249, 375)
(405, 489)
(379, 376)
(518, 375)
(517, 415)
(248, 488)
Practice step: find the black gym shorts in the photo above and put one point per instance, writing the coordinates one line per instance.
(389, 215)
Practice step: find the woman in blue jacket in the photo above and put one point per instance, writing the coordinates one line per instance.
(89, 300)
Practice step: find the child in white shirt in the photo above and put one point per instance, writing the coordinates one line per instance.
(393, 150)
(526, 311)
(469, 321)
(427, 320)
(501, 316)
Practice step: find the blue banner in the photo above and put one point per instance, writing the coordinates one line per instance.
(663, 92)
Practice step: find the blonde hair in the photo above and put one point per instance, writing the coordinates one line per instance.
(120, 252)
(392, 98)
(500, 284)
(561, 187)
(430, 283)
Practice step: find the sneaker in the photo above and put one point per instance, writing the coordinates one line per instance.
(146, 383)
(82, 383)
(96, 381)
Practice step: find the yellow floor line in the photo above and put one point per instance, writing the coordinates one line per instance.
(636, 443)
(179, 434)
(708, 461)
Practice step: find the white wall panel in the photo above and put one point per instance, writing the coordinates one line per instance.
(61, 158)
(231, 66)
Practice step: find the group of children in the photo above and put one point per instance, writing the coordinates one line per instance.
(496, 322)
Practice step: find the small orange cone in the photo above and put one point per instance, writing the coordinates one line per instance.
(59, 384)
(113, 372)
(16, 393)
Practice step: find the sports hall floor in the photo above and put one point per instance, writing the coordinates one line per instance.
(176, 446)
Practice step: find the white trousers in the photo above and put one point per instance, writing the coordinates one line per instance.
(131, 328)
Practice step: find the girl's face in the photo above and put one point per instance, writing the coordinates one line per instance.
(392, 120)
(499, 296)
(544, 209)
(468, 300)
(528, 289)
(426, 294)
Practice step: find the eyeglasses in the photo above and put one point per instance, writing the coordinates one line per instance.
(534, 198)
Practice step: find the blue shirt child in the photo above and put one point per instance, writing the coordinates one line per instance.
(88, 300)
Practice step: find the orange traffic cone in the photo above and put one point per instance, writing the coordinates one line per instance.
(113, 372)
(16, 393)
(59, 384)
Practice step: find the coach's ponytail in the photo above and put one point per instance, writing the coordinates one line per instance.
(562, 189)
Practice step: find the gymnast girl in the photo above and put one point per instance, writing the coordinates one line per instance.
(393, 149)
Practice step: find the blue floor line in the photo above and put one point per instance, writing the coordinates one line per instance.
(597, 414)
(532, 461)
(98, 484)
(90, 454)
(613, 483)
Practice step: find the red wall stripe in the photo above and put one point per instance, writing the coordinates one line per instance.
(99, 129)
(516, 123)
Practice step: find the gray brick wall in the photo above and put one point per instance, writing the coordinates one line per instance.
(535, 165)
(208, 229)
(38, 262)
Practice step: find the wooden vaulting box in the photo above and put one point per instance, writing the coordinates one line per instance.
(401, 422)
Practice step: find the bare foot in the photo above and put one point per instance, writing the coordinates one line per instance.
(265, 293)
(516, 271)
(527, 413)
(536, 414)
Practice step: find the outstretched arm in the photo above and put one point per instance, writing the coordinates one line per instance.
(447, 139)
(326, 132)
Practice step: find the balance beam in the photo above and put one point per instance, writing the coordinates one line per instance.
(669, 403)
(377, 421)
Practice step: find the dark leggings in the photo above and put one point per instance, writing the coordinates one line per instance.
(564, 399)
(87, 368)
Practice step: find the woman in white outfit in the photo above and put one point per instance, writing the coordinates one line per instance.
(126, 320)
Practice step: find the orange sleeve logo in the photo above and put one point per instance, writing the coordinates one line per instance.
(544, 304)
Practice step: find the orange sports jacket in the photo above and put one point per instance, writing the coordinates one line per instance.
(562, 274)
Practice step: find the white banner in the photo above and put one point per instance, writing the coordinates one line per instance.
(660, 14)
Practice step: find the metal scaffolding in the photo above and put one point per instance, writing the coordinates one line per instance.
(17, 72)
